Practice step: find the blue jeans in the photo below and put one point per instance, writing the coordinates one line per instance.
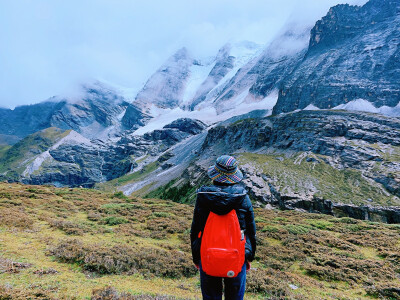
(211, 287)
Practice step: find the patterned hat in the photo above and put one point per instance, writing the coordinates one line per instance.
(225, 170)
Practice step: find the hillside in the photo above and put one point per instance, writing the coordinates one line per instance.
(14, 160)
(329, 161)
(55, 239)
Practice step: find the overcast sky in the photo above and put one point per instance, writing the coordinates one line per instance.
(49, 47)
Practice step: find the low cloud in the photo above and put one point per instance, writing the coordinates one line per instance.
(50, 47)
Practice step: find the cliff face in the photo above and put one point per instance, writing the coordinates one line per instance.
(353, 53)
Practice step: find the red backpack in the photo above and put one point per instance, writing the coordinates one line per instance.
(223, 245)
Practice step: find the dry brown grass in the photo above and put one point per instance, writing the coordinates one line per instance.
(299, 255)
(15, 217)
(110, 293)
(149, 261)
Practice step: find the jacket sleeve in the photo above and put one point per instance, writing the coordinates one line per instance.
(194, 232)
(250, 228)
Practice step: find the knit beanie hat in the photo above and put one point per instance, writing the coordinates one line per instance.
(225, 170)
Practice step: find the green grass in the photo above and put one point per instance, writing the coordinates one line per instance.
(389, 153)
(112, 185)
(114, 220)
(320, 224)
(298, 229)
(292, 175)
(3, 150)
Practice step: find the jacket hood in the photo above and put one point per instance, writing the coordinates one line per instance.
(221, 199)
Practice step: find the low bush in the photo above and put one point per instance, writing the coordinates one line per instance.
(10, 266)
(15, 217)
(161, 214)
(124, 209)
(347, 220)
(385, 290)
(119, 195)
(320, 224)
(110, 293)
(298, 229)
(67, 226)
(270, 228)
(331, 267)
(270, 283)
(11, 293)
(166, 225)
(112, 221)
(122, 258)
(355, 227)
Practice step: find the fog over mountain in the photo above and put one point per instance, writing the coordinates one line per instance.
(49, 48)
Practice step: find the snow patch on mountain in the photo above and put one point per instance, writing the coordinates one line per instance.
(311, 107)
(244, 51)
(198, 74)
(390, 111)
(358, 105)
(166, 86)
(366, 106)
(242, 105)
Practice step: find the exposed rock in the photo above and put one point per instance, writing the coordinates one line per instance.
(353, 54)
(187, 125)
(360, 141)
(80, 162)
(134, 118)
(166, 86)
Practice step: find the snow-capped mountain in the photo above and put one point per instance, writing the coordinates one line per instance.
(186, 83)
(352, 53)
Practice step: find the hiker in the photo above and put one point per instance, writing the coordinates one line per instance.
(221, 202)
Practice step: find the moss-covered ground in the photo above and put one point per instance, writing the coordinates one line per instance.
(86, 244)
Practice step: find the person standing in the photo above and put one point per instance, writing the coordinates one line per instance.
(224, 195)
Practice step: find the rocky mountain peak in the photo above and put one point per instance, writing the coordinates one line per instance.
(341, 22)
(353, 54)
(346, 21)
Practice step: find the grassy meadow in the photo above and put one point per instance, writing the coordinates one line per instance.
(62, 243)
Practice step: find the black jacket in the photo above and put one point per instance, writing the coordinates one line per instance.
(221, 199)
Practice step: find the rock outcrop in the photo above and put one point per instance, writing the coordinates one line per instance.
(364, 147)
